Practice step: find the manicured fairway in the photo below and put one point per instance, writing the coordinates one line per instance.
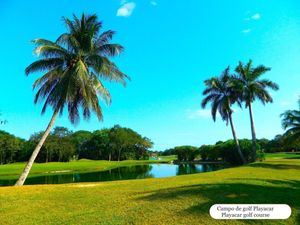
(176, 200)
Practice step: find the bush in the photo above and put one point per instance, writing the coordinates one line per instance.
(227, 151)
(204, 151)
(186, 153)
(260, 155)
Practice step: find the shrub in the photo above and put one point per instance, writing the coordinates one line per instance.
(186, 153)
(204, 151)
(227, 151)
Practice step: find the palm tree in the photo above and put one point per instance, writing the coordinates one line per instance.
(291, 123)
(74, 66)
(220, 93)
(251, 87)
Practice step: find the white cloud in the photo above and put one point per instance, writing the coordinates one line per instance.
(246, 31)
(154, 3)
(256, 16)
(285, 103)
(201, 113)
(126, 9)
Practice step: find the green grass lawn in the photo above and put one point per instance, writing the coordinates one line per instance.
(175, 200)
(284, 155)
(168, 158)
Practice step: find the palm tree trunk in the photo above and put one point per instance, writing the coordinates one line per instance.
(236, 140)
(36, 151)
(253, 158)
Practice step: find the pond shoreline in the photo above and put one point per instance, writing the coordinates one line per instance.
(129, 172)
(177, 162)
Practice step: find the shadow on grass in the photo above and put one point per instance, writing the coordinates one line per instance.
(240, 191)
(275, 166)
(294, 157)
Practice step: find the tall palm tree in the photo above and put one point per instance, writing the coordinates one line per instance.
(220, 93)
(251, 87)
(74, 67)
(291, 123)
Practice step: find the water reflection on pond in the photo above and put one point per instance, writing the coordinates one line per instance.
(121, 173)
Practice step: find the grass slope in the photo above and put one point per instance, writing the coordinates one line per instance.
(176, 200)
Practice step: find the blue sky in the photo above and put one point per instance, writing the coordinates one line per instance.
(171, 48)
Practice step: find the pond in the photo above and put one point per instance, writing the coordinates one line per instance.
(121, 173)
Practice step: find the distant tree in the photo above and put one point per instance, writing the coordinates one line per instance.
(74, 66)
(205, 151)
(26, 151)
(291, 123)
(9, 147)
(141, 147)
(97, 146)
(116, 143)
(59, 146)
(263, 143)
(186, 153)
(61, 132)
(59, 149)
(222, 96)
(222, 150)
(126, 143)
(167, 152)
(250, 87)
(80, 138)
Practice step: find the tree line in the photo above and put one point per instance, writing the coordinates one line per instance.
(116, 144)
(223, 150)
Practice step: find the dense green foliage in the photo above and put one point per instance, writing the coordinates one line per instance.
(225, 151)
(9, 147)
(186, 153)
(116, 143)
(62, 145)
(221, 151)
(280, 143)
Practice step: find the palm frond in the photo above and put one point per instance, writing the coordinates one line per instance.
(104, 38)
(110, 50)
(259, 71)
(248, 85)
(44, 65)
